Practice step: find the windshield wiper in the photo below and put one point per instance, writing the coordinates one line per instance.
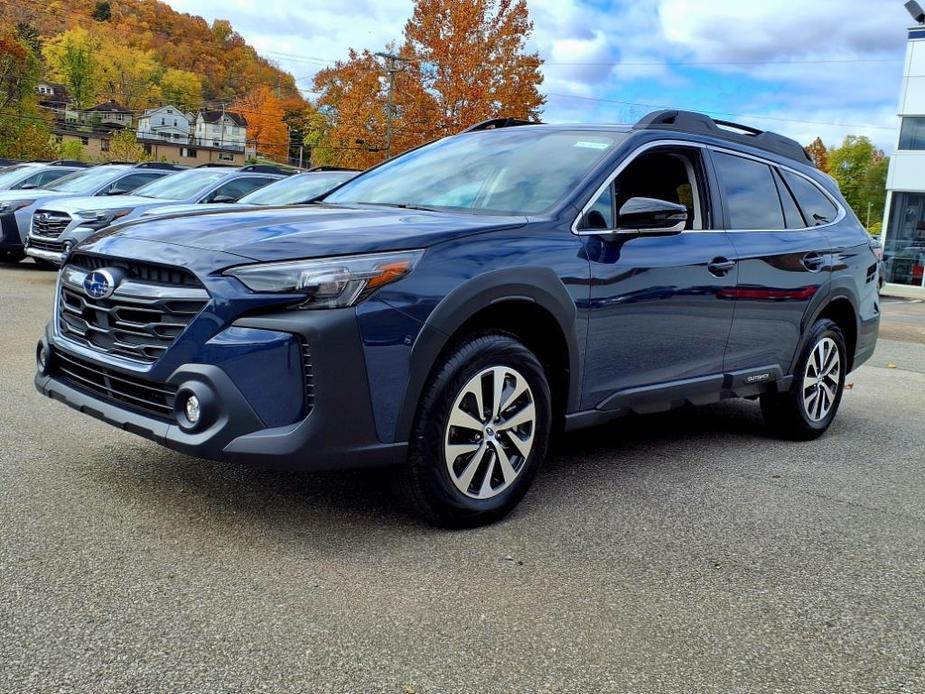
(400, 205)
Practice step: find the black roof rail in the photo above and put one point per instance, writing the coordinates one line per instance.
(68, 162)
(158, 165)
(267, 168)
(215, 164)
(495, 123)
(329, 168)
(701, 124)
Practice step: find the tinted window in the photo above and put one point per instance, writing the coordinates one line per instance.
(238, 187)
(133, 181)
(792, 214)
(817, 208)
(912, 134)
(751, 195)
(87, 181)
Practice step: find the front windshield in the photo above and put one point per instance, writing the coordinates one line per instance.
(183, 185)
(524, 170)
(298, 188)
(86, 180)
(15, 173)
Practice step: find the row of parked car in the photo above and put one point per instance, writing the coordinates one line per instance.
(46, 208)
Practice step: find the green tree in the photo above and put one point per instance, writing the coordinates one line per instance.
(127, 75)
(102, 11)
(71, 149)
(860, 169)
(181, 88)
(124, 146)
(24, 128)
(71, 58)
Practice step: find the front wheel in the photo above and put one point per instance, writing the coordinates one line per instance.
(481, 433)
(806, 410)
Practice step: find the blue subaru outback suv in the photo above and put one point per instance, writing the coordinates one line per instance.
(449, 309)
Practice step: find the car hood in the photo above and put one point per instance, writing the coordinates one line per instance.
(302, 232)
(198, 207)
(104, 202)
(28, 194)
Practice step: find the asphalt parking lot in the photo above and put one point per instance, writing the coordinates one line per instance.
(683, 552)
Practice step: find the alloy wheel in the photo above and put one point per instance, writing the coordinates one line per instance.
(489, 432)
(821, 379)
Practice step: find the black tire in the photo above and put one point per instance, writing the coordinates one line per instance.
(11, 257)
(427, 483)
(785, 414)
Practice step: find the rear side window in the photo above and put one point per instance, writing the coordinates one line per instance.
(750, 192)
(817, 208)
(126, 184)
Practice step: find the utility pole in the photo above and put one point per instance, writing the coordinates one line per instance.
(392, 66)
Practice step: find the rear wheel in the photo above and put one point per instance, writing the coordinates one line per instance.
(481, 433)
(11, 257)
(806, 410)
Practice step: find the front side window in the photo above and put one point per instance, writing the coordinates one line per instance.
(751, 195)
(86, 180)
(520, 171)
(912, 133)
(672, 175)
(816, 206)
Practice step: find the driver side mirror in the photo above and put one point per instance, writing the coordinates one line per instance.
(28, 186)
(116, 191)
(222, 199)
(651, 216)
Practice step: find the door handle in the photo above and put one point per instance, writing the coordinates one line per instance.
(720, 267)
(813, 261)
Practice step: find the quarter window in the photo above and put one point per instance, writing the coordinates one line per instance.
(751, 194)
(792, 214)
(817, 208)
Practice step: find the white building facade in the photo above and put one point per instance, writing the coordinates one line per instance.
(223, 129)
(164, 123)
(904, 218)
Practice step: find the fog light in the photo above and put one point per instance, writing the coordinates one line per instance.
(41, 358)
(191, 409)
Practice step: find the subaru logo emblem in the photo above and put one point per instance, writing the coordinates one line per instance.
(99, 284)
(44, 216)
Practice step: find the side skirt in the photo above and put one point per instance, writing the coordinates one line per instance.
(661, 397)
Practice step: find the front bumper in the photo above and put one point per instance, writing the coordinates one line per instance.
(10, 239)
(53, 257)
(337, 432)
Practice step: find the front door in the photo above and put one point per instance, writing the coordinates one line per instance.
(658, 320)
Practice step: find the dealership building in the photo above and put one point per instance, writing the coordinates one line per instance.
(904, 218)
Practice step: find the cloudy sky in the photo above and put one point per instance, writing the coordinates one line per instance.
(802, 67)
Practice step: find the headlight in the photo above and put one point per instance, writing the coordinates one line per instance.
(329, 282)
(13, 205)
(97, 219)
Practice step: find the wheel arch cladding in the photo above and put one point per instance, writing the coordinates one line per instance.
(842, 312)
(531, 304)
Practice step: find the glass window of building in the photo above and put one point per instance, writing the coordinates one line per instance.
(904, 252)
(912, 133)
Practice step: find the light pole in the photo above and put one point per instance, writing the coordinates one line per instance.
(392, 66)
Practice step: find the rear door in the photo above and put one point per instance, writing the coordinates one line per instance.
(781, 262)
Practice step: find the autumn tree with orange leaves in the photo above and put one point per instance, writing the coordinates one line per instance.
(464, 61)
(265, 126)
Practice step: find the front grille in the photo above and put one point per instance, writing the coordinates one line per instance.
(49, 224)
(148, 397)
(139, 321)
(144, 272)
(307, 375)
(43, 245)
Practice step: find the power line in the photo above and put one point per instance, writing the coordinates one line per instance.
(721, 113)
